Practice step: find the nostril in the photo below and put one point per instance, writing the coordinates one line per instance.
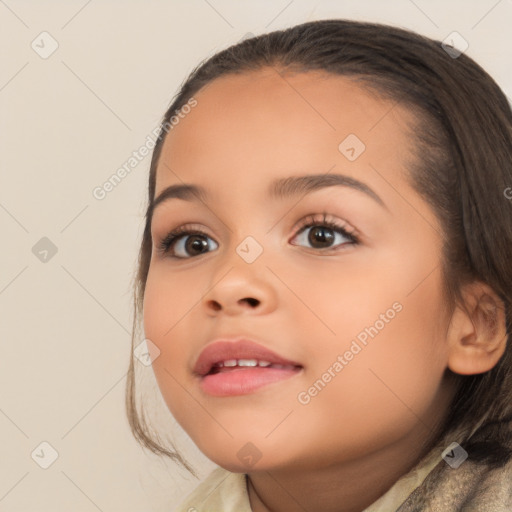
(251, 301)
(215, 305)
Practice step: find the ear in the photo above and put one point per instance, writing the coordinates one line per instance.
(477, 336)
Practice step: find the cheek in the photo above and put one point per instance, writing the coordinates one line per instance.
(391, 376)
(161, 315)
(168, 299)
(388, 387)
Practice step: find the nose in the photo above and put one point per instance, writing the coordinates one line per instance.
(242, 289)
(245, 303)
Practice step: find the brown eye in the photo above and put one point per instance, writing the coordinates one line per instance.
(195, 244)
(183, 243)
(320, 237)
(325, 234)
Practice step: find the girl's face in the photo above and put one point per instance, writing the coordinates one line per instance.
(364, 317)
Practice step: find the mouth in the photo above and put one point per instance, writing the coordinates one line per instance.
(230, 368)
(237, 364)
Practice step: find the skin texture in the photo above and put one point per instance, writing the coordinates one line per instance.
(370, 423)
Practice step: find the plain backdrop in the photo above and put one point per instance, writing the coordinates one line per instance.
(68, 121)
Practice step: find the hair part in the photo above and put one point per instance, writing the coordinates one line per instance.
(462, 164)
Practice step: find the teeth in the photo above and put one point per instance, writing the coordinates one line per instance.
(248, 362)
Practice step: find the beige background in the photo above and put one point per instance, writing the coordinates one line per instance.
(68, 122)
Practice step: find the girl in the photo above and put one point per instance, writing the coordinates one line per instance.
(325, 275)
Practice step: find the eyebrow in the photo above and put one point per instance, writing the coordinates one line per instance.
(279, 189)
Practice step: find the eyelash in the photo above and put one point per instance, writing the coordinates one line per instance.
(310, 221)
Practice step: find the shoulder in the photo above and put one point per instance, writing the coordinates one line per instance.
(220, 491)
(472, 487)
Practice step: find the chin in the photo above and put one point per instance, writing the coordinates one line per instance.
(248, 457)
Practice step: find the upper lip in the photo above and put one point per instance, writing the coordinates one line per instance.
(223, 350)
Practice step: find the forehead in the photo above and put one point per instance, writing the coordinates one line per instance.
(258, 125)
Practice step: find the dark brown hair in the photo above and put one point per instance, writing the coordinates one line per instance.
(462, 167)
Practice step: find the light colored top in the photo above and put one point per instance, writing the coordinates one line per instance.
(223, 491)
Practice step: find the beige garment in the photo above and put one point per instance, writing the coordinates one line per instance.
(223, 491)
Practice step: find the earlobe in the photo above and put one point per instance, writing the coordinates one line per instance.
(477, 336)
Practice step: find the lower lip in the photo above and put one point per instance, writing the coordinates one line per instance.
(243, 381)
